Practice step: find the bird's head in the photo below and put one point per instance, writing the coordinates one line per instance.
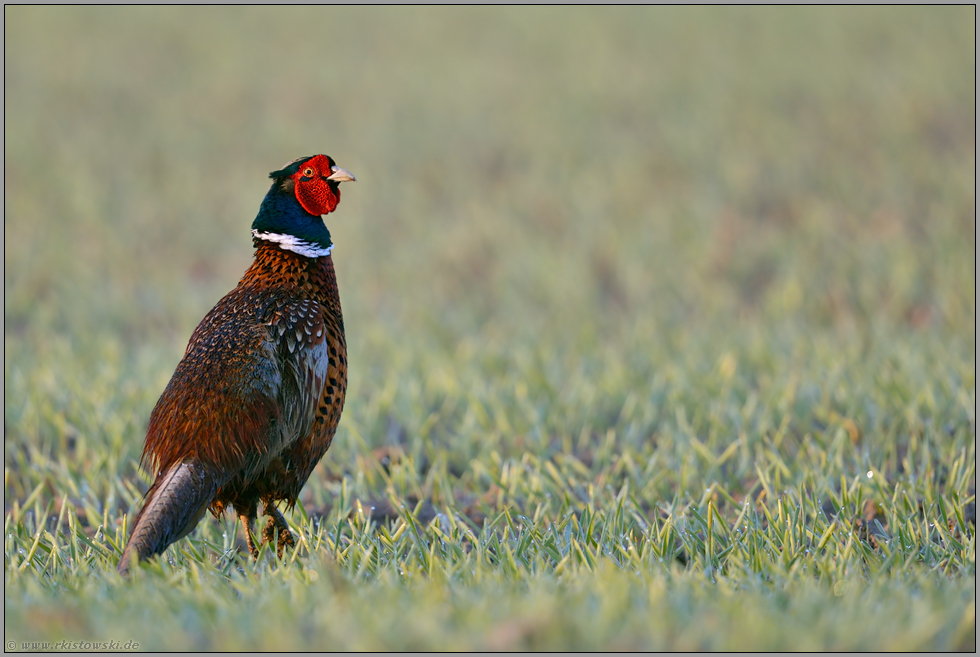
(301, 192)
(315, 181)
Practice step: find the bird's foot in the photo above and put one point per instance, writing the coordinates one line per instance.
(247, 522)
(277, 523)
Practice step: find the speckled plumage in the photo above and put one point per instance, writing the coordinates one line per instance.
(255, 401)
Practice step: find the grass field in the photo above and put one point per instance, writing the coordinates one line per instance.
(662, 323)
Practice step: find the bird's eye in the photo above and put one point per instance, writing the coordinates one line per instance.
(307, 172)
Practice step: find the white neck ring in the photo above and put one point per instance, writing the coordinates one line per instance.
(294, 244)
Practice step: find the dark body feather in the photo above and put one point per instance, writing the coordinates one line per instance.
(255, 401)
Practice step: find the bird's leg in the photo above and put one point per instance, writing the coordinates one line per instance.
(277, 523)
(248, 521)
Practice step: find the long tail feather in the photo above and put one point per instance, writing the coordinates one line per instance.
(174, 505)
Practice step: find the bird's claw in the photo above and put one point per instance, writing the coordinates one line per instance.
(277, 523)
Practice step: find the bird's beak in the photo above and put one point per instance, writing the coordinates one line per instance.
(341, 175)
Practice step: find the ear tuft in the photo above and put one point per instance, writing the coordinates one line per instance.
(291, 167)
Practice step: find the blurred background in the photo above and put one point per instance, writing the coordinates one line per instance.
(695, 255)
(566, 191)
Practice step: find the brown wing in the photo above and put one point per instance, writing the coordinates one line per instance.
(299, 460)
(300, 336)
(223, 396)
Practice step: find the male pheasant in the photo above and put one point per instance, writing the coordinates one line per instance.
(255, 401)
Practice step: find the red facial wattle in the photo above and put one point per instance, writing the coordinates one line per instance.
(317, 195)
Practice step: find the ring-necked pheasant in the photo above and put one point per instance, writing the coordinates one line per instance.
(255, 401)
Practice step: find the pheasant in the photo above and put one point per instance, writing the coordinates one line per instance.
(255, 401)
